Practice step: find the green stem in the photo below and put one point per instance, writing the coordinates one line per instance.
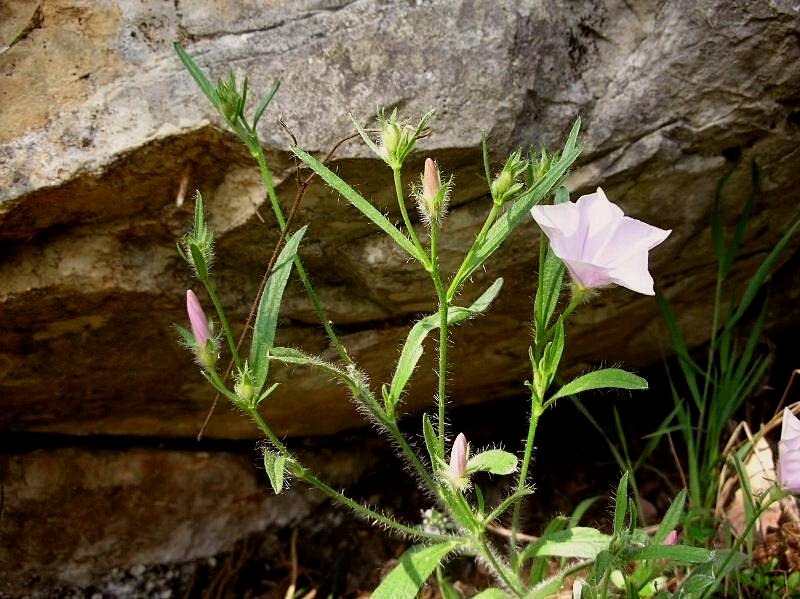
(224, 321)
(505, 573)
(266, 176)
(443, 307)
(453, 289)
(536, 411)
(401, 202)
(312, 480)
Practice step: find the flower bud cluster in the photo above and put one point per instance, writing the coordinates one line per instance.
(232, 101)
(507, 184)
(398, 138)
(538, 167)
(243, 387)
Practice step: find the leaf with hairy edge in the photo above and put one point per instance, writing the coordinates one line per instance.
(510, 219)
(275, 465)
(197, 74)
(431, 442)
(578, 542)
(414, 568)
(412, 349)
(493, 461)
(268, 310)
(605, 378)
(357, 200)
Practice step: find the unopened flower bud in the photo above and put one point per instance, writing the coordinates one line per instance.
(205, 346)
(458, 458)
(391, 138)
(501, 184)
(244, 384)
(432, 194)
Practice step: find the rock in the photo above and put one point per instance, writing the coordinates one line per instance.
(73, 514)
(670, 98)
(101, 127)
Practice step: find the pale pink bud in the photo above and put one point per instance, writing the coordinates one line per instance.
(430, 182)
(598, 244)
(198, 320)
(671, 539)
(458, 457)
(789, 452)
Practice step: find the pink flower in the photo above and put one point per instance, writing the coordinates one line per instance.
(198, 320)
(458, 458)
(789, 452)
(598, 244)
(671, 539)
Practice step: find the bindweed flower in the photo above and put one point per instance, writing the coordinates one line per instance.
(205, 344)
(432, 195)
(598, 244)
(789, 452)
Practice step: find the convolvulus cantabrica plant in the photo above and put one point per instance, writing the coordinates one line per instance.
(590, 240)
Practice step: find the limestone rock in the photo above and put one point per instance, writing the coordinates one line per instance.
(101, 124)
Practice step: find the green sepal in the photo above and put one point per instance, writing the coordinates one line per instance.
(275, 465)
(198, 261)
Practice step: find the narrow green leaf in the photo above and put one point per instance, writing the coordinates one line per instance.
(671, 519)
(511, 218)
(688, 367)
(493, 461)
(199, 261)
(275, 465)
(579, 542)
(269, 308)
(408, 576)
(357, 200)
(621, 504)
(548, 292)
(605, 378)
(676, 553)
(264, 103)
(412, 349)
(758, 279)
(197, 74)
(431, 442)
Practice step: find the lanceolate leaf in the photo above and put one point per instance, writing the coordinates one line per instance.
(197, 74)
(493, 461)
(357, 200)
(412, 349)
(510, 219)
(578, 542)
(268, 310)
(415, 566)
(275, 465)
(614, 378)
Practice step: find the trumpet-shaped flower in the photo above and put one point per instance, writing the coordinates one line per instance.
(789, 452)
(598, 244)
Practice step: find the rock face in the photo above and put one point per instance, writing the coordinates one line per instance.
(101, 124)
